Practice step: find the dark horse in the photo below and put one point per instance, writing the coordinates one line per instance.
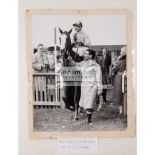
(72, 89)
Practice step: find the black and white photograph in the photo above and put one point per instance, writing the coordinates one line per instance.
(79, 72)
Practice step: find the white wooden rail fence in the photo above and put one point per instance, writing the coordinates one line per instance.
(46, 89)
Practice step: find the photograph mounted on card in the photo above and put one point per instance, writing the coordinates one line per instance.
(80, 73)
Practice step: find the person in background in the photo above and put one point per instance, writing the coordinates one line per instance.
(54, 68)
(80, 40)
(40, 65)
(35, 50)
(114, 60)
(51, 78)
(108, 62)
(104, 60)
(119, 69)
(51, 59)
(91, 82)
(40, 60)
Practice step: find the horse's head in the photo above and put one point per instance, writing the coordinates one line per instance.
(64, 39)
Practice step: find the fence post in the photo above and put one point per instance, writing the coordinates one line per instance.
(55, 56)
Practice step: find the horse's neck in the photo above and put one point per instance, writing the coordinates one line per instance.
(68, 44)
(70, 52)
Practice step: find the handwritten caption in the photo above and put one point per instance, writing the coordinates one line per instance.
(77, 145)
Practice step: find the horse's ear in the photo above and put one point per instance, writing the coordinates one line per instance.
(70, 31)
(60, 30)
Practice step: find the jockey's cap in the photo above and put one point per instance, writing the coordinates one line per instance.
(77, 23)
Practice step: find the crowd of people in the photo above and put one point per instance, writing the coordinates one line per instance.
(99, 69)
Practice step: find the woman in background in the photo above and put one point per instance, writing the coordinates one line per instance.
(114, 61)
(118, 91)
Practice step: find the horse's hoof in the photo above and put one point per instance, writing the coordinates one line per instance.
(89, 123)
(76, 119)
(70, 108)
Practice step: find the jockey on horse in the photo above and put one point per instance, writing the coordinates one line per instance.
(80, 40)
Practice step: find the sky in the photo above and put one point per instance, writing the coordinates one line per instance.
(102, 29)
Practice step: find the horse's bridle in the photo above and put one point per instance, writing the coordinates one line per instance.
(67, 52)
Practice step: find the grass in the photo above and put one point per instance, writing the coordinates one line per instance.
(46, 119)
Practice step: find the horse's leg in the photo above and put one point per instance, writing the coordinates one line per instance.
(101, 102)
(76, 112)
(76, 105)
(66, 97)
(76, 101)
